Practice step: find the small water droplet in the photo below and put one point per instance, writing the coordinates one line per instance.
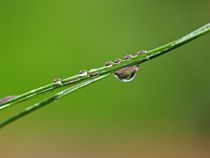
(93, 73)
(108, 63)
(57, 82)
(141, 52)
(128, 57)
(2, 100)
(126, 74)
(117, 61)
(83, 73)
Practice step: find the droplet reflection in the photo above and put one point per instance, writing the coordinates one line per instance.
(126, 74)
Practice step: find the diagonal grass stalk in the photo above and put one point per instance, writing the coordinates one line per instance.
(49, 100)
(137, 59)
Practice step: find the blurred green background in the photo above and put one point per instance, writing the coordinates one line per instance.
(168, 100)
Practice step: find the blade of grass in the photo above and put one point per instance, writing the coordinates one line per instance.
(138, 59)
(49, 100)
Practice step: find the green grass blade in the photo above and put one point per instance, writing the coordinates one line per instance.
(136, 60)
(49, 100)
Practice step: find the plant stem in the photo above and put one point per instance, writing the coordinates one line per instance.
(138, 59)
(49, 100)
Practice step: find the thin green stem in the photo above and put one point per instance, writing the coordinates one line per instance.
(49, 100)
(137, 59)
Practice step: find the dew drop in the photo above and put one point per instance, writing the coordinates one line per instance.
(83, 73)
(126, 74)
(2, 100)
(128, 57)
(57, 82)
(141, 52)
(117, 61)
(108, 63)
(93, 73)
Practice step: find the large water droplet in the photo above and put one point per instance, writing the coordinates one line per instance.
(126, 74)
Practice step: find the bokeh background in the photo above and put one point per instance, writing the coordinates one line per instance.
(163, 112)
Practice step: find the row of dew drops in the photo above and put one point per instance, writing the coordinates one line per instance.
(125, 74)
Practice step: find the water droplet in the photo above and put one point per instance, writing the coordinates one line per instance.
(93, 73)
(126, 74)
(108, 63)
(141, 52)
(2, 100)
(57, 82)
(128, 57)
(117, 61)
(83, 73)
